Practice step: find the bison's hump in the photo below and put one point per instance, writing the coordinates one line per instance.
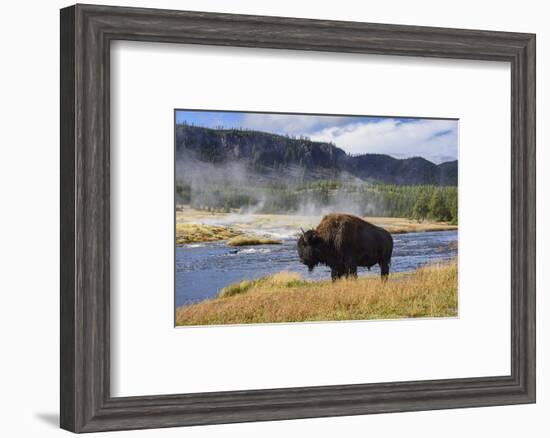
(341, 218)
(333, 222)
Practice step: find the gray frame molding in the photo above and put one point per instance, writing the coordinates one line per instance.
(86, 33)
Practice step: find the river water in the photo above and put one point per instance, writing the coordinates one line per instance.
(203, 269)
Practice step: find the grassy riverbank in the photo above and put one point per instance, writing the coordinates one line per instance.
(194, 233)
(195, 226)
(252, 240)
(431, 291)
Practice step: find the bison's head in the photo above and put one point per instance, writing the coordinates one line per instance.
(310, 249)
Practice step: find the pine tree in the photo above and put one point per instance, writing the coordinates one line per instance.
(438, 207)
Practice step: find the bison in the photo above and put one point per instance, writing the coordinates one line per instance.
(343, 242)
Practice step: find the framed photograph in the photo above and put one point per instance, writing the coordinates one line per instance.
(262, 199)
(270, 218)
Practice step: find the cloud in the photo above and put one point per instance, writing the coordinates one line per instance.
(292, 124)
(435, 140)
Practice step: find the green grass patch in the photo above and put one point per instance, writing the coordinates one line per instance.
(280, 280)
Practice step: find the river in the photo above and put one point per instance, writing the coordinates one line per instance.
(203, 269)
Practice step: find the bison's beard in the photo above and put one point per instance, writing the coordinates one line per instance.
(308, 258)
(309, 254)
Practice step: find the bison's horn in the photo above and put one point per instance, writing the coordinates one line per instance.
(303, 232)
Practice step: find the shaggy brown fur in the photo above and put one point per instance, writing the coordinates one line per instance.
(343, 242)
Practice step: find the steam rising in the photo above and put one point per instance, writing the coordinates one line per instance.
(233, 188)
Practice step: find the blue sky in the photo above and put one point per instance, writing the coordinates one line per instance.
(433, 139)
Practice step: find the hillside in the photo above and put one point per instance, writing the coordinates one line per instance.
(276, 157)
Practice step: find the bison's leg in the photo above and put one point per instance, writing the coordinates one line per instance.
(336, 272)
(385, 270)
(351, 271)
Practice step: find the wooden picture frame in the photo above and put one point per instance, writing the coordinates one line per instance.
(86, 33)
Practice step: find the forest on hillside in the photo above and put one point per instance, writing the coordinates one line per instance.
(299, 159)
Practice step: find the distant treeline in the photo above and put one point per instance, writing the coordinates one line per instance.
(366, 199)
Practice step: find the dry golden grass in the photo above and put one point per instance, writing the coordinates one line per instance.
(431, 291)
(400, 225)
(252, 240)
(192, 233)
(268, 222)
